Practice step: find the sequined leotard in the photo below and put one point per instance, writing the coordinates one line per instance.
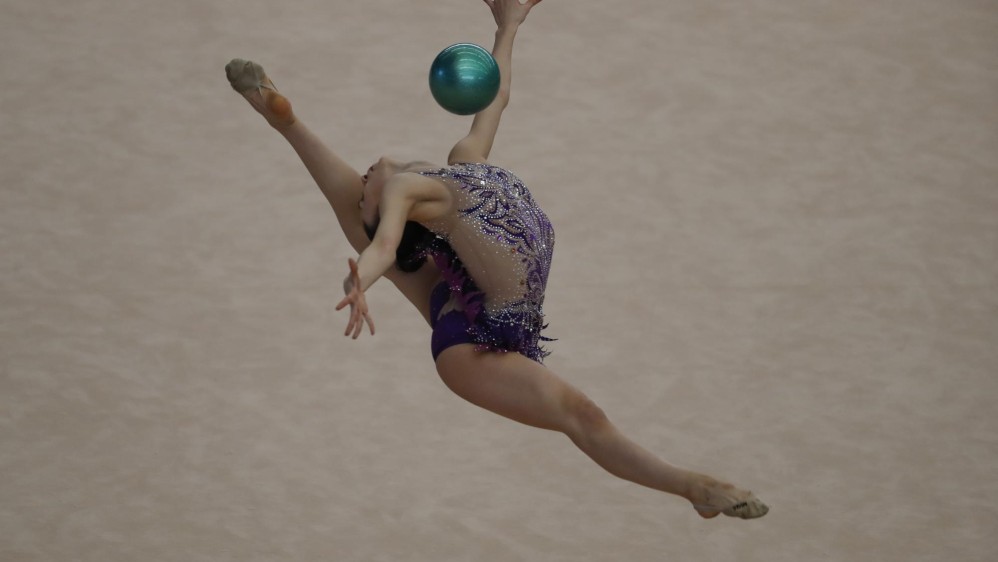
(494, 256)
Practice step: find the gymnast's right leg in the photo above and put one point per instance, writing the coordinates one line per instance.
(339, 182)
(523, 390)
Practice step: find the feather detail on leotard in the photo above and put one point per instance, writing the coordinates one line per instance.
(512, 328)
(461, 285)
(496, 213)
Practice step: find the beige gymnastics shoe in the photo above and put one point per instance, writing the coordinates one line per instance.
(249, 79)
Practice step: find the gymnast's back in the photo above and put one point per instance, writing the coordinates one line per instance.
(499, 234)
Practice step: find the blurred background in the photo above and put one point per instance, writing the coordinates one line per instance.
(777, 262)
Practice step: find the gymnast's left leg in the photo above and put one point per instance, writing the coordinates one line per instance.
(523, 390)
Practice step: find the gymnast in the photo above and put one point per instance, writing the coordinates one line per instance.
(469, 247)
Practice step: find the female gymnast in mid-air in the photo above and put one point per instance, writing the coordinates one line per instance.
(470, 248)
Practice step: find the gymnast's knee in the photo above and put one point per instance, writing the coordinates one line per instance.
(584, 417)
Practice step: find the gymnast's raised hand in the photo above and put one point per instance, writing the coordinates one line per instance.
(510, 12)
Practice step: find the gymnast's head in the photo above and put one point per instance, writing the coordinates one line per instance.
(374, 182)
(415, 238)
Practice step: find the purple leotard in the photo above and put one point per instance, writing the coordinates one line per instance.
(494, 256)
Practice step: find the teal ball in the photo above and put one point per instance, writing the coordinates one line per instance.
(464, 78)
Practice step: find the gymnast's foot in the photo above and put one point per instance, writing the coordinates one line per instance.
(711, 498)
(249, 79)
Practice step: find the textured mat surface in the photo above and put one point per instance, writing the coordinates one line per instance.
(777, 262)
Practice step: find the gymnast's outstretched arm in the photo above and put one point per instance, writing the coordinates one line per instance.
(406, 196)
(475, 147)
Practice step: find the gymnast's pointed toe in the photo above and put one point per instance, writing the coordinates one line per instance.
(711, 498)
(750, 508)
(249, 79)
(244, 75)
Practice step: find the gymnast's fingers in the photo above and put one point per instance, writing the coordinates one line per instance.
(358, 325)
(353, 321)
(370, 323)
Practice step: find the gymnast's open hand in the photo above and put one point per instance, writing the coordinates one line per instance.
(358, 304)
(510, 12)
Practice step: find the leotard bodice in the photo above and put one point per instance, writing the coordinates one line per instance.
(501, 239)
